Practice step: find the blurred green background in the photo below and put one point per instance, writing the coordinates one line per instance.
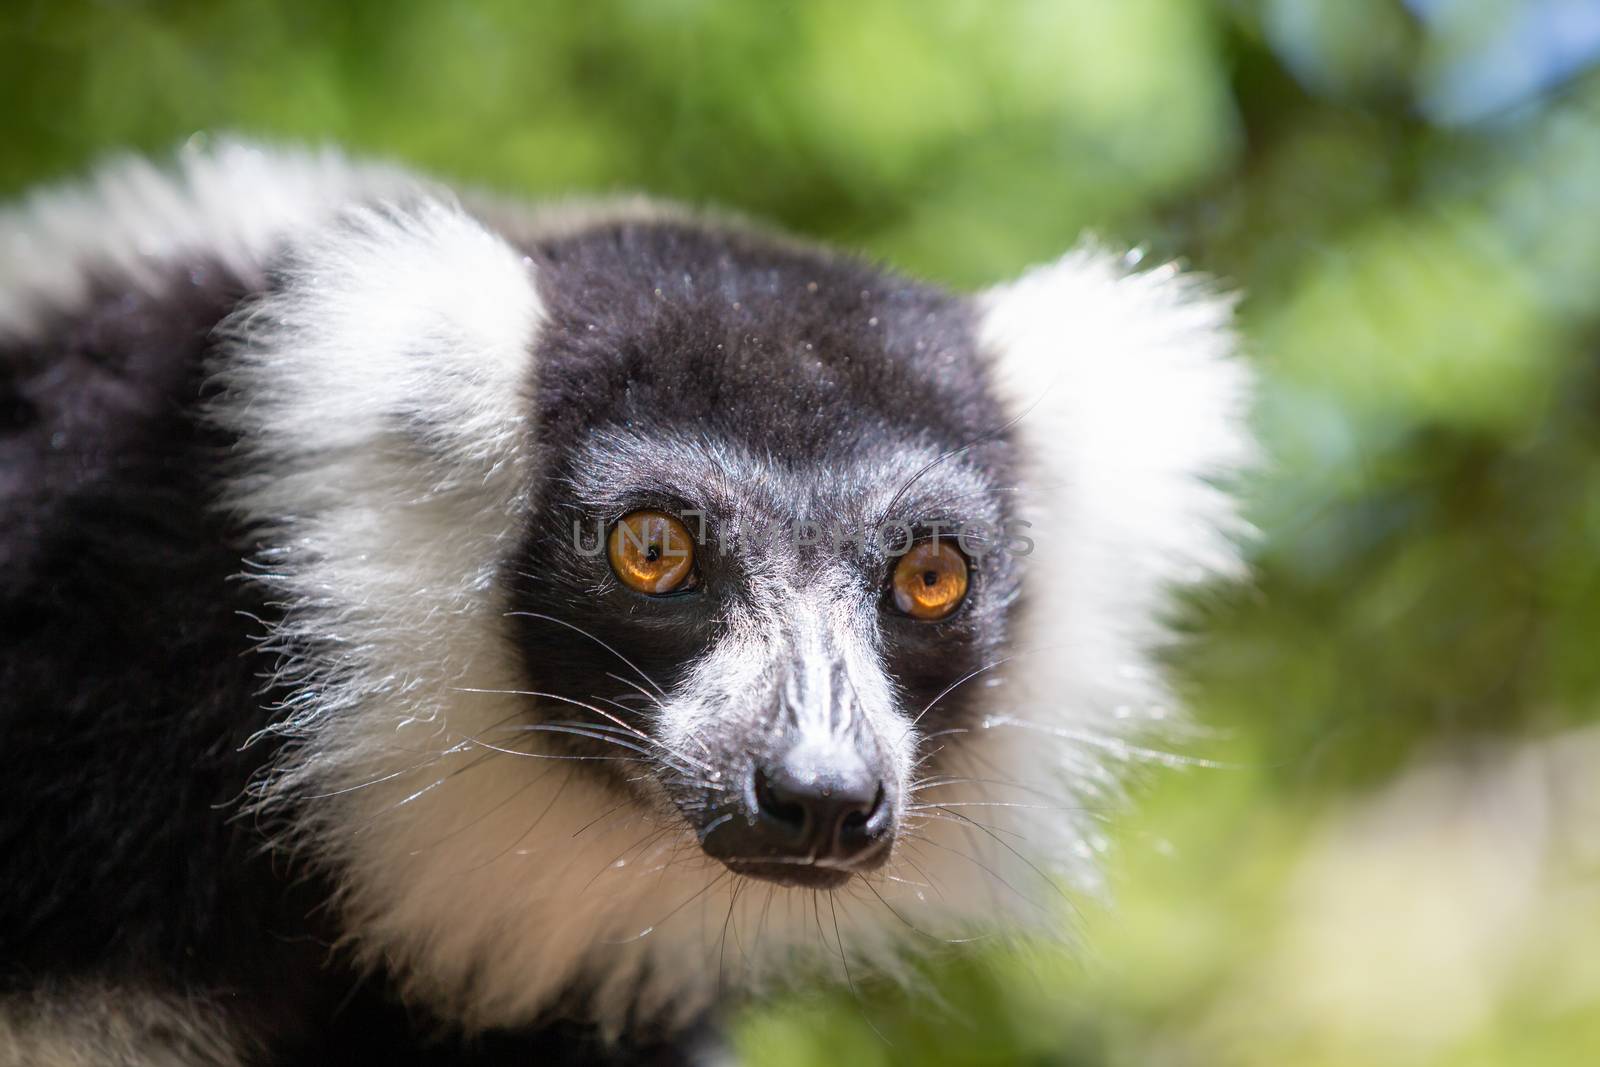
(1398, 861)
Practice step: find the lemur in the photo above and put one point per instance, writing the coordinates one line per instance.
(437, 629)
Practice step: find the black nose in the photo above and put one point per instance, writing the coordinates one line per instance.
(814, 817)
(827, 815)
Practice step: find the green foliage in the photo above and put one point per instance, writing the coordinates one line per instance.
(1421, 260)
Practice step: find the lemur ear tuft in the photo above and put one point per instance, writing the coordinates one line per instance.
(1132, 412)
(407, 326)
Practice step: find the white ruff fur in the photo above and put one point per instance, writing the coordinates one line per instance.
(492, 882)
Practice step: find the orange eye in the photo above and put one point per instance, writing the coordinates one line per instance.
(930, 580)
(652, 552)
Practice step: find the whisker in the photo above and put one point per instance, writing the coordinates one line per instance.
(927, 756)
(722, 947)
(951, 817)
(904, 881)
(379, 780)
(903, 858)
(913, 926)
(1112, 744)
(761, 925)
(940, 781)
(556, 796)
(668, 916)
(996, 875)
(1031, 865)
(609, 735)
(642, 694)
(1000, 804)
(844, 962)
(648, 839)
(634, 731)
(577, 730)
(552, 755)
(469, 765)
(631, 711)
(484, 814)
(959, 682)
(580, 630)
(579, 832)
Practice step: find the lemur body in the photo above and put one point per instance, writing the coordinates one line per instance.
(330, 728)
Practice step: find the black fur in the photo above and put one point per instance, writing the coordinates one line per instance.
(128, 677)
(663, 341)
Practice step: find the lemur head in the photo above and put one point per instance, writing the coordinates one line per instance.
(767, 536)
(668, 605)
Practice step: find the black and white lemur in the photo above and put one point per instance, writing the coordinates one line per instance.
(439, 630)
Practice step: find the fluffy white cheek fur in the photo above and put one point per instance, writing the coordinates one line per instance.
(381, 393)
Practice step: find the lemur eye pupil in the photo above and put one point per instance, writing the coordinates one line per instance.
(930, 581)
(651, 552)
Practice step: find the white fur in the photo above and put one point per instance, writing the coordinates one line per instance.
(491, 882)
(232, 201)
(92, 1025)
(1132, 411)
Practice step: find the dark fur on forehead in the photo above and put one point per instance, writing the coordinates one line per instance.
(757, 339)
(757, 381)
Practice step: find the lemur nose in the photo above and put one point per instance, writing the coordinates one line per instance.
(836, 811)
(815, 817)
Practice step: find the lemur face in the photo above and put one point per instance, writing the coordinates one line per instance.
(771, 544)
